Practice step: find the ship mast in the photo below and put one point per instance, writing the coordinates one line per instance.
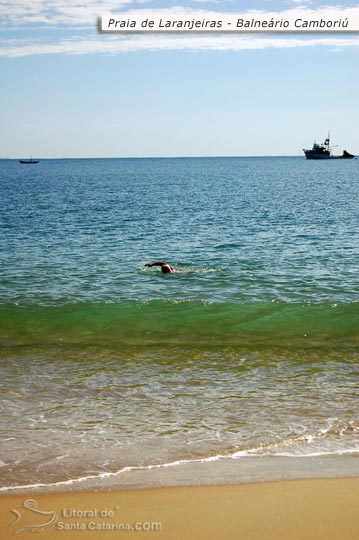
(327, 141)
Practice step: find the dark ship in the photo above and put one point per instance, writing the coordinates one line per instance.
(29, 161)
(323, 151)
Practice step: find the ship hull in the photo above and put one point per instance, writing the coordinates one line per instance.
(313, 155)
(33, 162)
(309, 154)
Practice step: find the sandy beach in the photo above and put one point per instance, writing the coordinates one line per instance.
(297, 510)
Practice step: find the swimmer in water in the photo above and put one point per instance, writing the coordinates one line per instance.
(165, 267)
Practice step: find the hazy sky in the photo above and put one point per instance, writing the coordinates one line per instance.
(69, 91)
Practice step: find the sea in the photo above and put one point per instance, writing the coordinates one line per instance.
(241, 367)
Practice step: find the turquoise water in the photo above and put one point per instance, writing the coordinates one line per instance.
(252, 348)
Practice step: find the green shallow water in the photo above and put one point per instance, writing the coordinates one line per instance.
(187, 322)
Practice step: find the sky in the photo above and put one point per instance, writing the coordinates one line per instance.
(68, 90)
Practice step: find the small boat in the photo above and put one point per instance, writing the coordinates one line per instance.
(323, 151)
(29, 161)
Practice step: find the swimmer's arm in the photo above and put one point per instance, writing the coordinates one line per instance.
(156, 263)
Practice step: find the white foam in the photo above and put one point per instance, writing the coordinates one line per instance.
(304, 446)
(258, 452)
(114, 474)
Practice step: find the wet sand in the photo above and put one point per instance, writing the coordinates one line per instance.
(324, 509)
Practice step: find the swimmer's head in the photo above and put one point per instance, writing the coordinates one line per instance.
(166, 269)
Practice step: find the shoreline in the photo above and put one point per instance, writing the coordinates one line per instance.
(320, 509)
(199, 472)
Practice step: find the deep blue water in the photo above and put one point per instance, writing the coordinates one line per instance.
(250, 229)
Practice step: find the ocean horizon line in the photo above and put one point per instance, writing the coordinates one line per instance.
(159, 157)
